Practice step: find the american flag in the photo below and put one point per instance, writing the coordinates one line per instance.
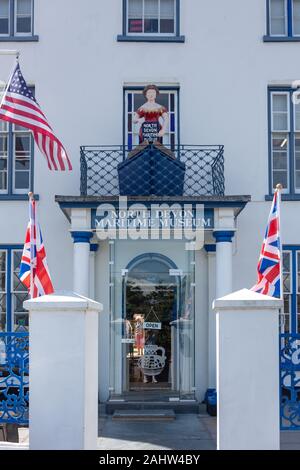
(19, 106)
(269, 264)
(34, 272)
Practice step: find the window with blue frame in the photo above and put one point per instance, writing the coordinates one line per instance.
(284, 140)
(16, 160)
(134, 98)
(16, 20)
(283, 19)
(291, 288)
(12, 292)
(151, 20)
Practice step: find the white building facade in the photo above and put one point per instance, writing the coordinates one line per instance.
(225, 72)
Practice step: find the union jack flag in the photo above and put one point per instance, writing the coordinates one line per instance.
(20, 107)
(34, 272)
(269, 264)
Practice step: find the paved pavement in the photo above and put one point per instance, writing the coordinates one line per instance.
(187, 432)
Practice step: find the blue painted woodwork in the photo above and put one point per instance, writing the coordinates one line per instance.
(151, 171)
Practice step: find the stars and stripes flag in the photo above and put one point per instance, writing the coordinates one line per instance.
(19, 106)
(269, 264)
(34, 272)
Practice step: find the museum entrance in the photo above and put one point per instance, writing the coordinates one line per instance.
(152, 330)
(151, 307)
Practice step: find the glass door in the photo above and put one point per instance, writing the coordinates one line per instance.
(152, 329)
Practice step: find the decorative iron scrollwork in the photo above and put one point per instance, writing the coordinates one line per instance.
(14, 378)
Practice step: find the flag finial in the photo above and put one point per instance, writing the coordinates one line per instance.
(279, 187)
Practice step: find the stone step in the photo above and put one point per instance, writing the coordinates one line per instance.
(146, 415)
(187, 407)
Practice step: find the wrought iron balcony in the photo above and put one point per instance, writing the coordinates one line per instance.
(203, 170)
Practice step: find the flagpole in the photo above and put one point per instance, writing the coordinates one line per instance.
(31, 198)
(278, 190)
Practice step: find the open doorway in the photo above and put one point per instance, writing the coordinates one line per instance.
(150, 300)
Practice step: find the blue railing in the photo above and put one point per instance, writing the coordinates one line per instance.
(14, 378)
(204, 169)
(290, 382)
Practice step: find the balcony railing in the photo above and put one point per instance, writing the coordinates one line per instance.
(204, 169)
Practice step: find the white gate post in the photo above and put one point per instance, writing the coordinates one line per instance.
(247, 371)
(63, 372)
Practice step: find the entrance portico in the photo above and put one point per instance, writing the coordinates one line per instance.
(207, 276)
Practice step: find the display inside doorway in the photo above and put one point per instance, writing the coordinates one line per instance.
(150, 306)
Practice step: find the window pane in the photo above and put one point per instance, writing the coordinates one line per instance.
(22, 145)
(286, 262)
(135, 8)
(23, 16)
(297, 117)
(151, 16)
(3, 180)
(286, 283)
(167, 23)
(296, 17)
(2, 302)
(167, 9)
(4, 8)
(280, 103)
(17, 259)
(151, 9)
(4, 16)
(22, 164)
(278, 17)
(4, 28)
(2, 321)
(24, 25)
(22, 180)
(24, 7)
(135, 16)
(280, 112)
(280, 147)
(280, 161)
(3, 146)
(18, 299)
(280, 177)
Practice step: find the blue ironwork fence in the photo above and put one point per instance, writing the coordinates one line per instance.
(204, 174)
(290, 381)
(14, 378)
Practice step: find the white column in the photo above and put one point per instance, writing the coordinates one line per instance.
(211, 258)
(247, 372)
(63, 373)
(223, 262)
(81, 262)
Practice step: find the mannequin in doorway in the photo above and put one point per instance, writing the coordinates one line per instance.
(139, 335)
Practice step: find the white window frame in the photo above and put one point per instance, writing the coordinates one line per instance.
(16, 33)
(128, 33)
(286, 20)
(286, 131)
(14, 134)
